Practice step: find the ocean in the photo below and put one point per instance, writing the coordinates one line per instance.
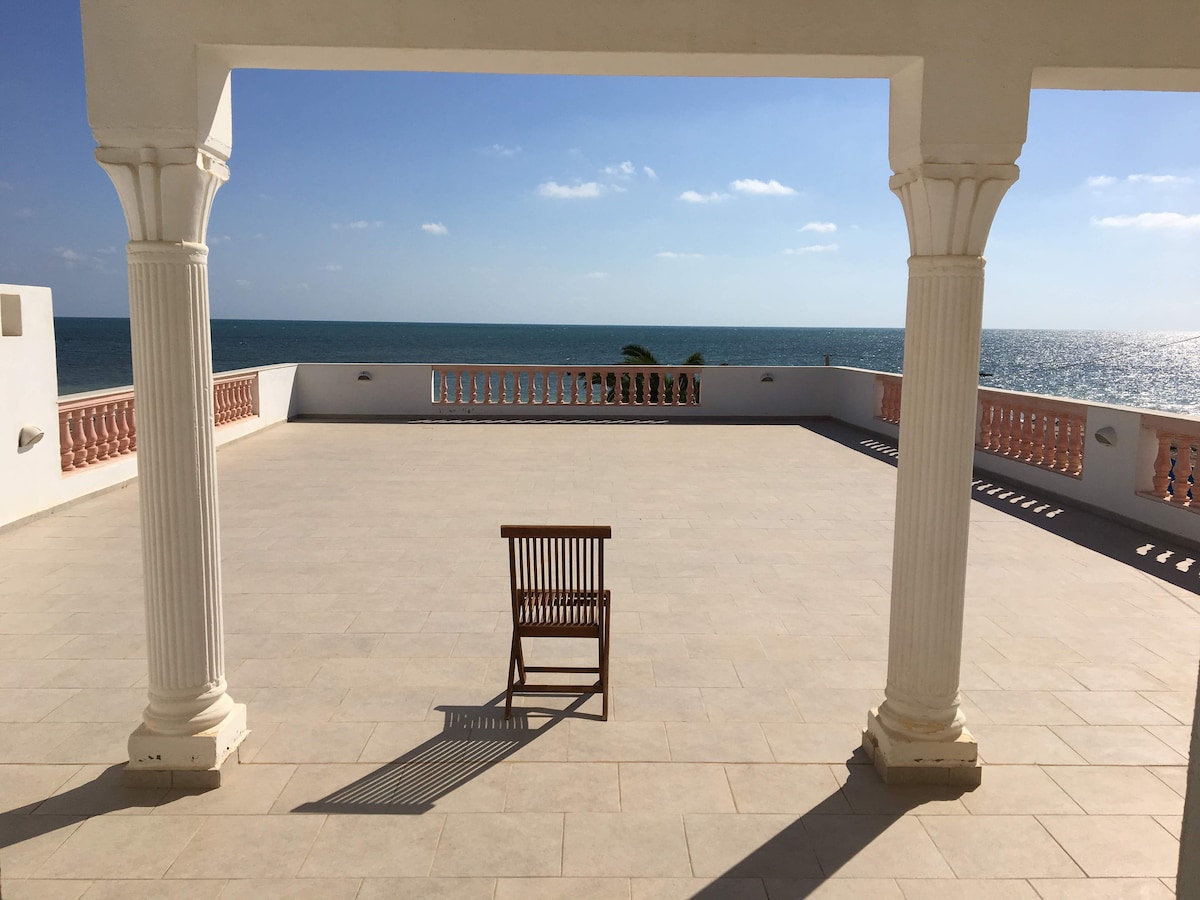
(1150, 369)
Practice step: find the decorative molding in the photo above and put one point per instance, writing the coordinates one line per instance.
(950, 206)
(167, 195)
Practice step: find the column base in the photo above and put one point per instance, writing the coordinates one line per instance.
(187, 760)
(902, 761)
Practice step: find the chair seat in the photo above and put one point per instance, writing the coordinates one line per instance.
(560, 609)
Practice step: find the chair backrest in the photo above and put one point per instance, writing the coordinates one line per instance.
(556, 560)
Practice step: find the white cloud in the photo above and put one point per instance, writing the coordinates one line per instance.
(814, 248)
(502, 150)
(822, 227)
(1161, 221)
(359, 225)
(1099, 181)
(596, 275)
(671, 254)
(72, 258)
(620, 170)
(567, 192)
(242, 282)
(332, 267)
(219, 239)
(1143, 178)
(435, 228)
(650, 173)
(696, 197)
(764, 188)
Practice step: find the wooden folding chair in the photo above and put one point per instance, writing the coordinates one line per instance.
(557, 578)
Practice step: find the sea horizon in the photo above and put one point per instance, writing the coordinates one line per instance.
(1147, 369)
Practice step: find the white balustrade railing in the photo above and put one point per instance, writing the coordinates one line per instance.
(643, 386)
(102, 427)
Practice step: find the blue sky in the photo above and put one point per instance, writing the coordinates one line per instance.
(482, 198)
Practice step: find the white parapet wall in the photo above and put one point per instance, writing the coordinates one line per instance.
(28, 399)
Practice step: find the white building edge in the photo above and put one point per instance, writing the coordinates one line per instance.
(961, 71)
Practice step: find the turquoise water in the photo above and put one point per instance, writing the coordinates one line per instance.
(1151, 369)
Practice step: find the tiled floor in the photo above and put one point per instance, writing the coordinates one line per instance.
(365, 613)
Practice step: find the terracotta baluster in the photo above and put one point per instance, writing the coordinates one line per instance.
(985, 421)
(1182, 468)
(101, 431)
(88, 417)
(1075, 445)
(1162, 466)
(66, 444)
(122, 427)
(114, 430)
(1026, 450)
(1005, 433)
(131, 418)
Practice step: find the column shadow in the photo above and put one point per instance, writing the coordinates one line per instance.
(473, 739)
(824, 839)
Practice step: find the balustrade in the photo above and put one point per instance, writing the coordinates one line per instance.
(542, 386)
(889, 404)
(101, 428)
(1174, 478)
(1033, 430)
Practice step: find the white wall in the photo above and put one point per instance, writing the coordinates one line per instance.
(28, 396)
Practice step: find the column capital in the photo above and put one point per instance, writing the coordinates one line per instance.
(166, 194)
(950, 206)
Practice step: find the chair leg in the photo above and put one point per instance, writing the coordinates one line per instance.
(604, 679)
(520, 659)
(514, 652)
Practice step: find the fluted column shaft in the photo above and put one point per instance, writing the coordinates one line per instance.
(190, 725)
(168, 292)
(937, 431)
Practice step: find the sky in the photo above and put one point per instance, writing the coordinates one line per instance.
(581, 200)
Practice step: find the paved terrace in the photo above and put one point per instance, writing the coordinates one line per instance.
(366, 620)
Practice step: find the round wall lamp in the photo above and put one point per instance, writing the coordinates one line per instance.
(364, 376)
(768, 378)
(1106, 436)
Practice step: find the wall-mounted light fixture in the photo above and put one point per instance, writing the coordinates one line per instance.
(364, 376)
(28, 436)
(768, 378)
(1106, 436)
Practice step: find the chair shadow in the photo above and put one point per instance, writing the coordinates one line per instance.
(1144, 549)
(473, 739)
(824, 839)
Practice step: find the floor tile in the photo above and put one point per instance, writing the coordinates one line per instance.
(121, 847)
(500, 844)
(1116, 790)
(1116, 846)
(754, 846)
(674, 788)
(999, 847)
(874, 847)
(563, 787)
(625, 845)
(372, 846)
(252, 846)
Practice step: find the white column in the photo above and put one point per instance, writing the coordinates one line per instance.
(190, 725)
(918, 733)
